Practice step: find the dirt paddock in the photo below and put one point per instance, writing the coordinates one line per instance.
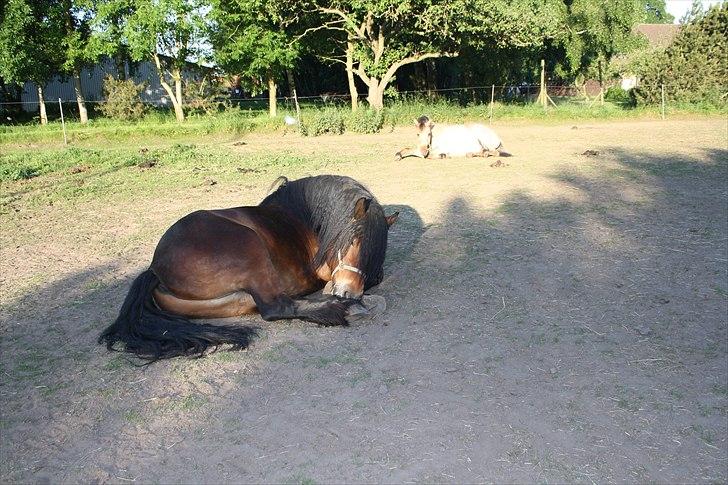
(556, 317)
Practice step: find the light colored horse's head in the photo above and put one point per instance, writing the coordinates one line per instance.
(424, 132)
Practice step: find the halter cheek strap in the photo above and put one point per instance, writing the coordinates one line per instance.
(343, 265)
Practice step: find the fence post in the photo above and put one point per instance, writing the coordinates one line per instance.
(662, 89)
(63, 122)
(492, 94)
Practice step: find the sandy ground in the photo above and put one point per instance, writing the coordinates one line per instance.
(561, 317)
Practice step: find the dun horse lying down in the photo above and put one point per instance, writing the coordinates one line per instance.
(468, 140)
(265, 258)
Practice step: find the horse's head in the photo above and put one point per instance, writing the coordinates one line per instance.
(424, 132)
(358, 261)
(424, 140)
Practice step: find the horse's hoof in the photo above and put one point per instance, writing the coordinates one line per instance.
(370, 306)
(397, 157)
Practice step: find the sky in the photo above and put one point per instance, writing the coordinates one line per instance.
(678, 8)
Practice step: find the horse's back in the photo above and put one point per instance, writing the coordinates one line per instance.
(209, 253)
(487, 137)
(455, 140)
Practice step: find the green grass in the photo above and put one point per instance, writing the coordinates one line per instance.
(159, 124)
(45, 176)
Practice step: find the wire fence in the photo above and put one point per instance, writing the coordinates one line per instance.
(586, 95)
(503, 92)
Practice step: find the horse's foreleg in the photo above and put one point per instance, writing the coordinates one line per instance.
(419, 152)
(329, 312)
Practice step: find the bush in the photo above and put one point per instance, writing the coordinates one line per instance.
(329, 120)
(617, 95)
(693, 67)
(122, 99)
(205, 97)
(365, 121)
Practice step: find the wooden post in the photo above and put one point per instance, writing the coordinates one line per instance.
(662, 89)
(542, 94)
(492, 94)
(63, 122)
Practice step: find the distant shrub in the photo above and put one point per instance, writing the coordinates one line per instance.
(205, 97)
(329, 120)
(616, 94)
(122, 99)
(693, 68)
(365, 121)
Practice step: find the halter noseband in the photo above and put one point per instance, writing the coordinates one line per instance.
(343, 265)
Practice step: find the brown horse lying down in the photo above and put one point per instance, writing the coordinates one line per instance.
(265, 258)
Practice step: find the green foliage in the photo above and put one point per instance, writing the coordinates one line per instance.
(656, 13)
(251, 39)
(597, 31)
(205, 96)
(122, 100)
(365, 121)
(617, 95)
(30, 41)
(693, 68)
(325, 121)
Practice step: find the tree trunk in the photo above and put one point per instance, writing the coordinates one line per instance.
(272, 89)
(291, 83)
(82, 112)
(431, 79)
(120, 63)
(176, 99)
(350, 75)
(376, 94)
(42, 107)
(293, 94)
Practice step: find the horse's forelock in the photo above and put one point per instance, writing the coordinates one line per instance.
(326, 204)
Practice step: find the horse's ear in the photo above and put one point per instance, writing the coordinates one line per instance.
(392, 219)
(361, 207)
(417, 123)
(430, 124)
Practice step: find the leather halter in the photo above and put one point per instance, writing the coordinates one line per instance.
(343, 265)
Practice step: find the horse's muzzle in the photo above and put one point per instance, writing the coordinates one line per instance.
(346, 292)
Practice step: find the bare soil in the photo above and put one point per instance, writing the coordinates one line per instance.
(557, 317)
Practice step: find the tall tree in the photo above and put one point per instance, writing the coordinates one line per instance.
(381, 36)
(107, 35)
(30, 44)
(655, 12)
(75, 16)
(253, 38)
(596, 32)
(167, 32)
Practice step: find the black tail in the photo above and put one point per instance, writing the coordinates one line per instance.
(154, 334)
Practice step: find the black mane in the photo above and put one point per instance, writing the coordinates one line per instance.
(325, 204)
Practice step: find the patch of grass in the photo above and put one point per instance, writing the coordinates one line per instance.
(31, 365)
(720, 389)
(358, 377)
(117, 362)
(188, 403)
(120, 170)
(324, 361)
(134, 416)
(300, 479)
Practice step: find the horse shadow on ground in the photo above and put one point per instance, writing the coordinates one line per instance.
(570, 337)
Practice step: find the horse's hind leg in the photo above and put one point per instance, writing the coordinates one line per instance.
(232, 305)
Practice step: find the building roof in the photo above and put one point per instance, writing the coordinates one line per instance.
(660, 35)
